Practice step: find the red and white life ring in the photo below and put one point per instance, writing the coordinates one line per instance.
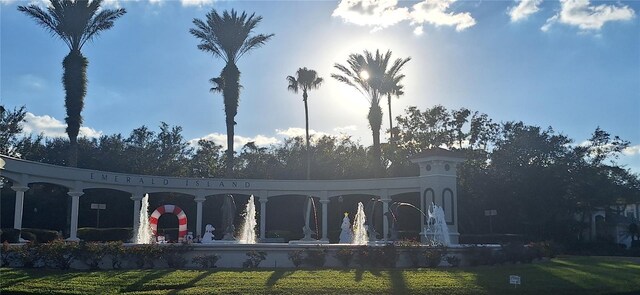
(172, 209)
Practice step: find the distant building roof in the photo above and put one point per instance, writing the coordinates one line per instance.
(438, 152)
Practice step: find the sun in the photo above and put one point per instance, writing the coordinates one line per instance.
(364, 75)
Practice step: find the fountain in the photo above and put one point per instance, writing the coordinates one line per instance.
(346, 235)
(437, 232)
(248, 229)
(144, 234)
(228, 214)
(360, 236)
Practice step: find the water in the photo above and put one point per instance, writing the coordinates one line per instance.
(248, 229)
(360, 236)
(144, 234)
(437, 231)
(346, 236)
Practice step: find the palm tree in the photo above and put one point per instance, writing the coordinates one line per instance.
(366, 73)
(306, 80)
(391, 86)
(75, 22)
(228, 36)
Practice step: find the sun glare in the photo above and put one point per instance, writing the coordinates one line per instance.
(364, 75)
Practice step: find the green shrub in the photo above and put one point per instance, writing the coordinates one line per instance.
(117, 252)
(255, 257)
(433, 256)
(344, 255)
(206, 261)
(90, 234)
(362, 256)
(389, 256)
(92, 254)
(296, 257)
(10, 235)
(174, 255)
(480, 255)
(41, 235)
(316, 257)
(144, 255)
(28, 236)
(28, 255)
(454, 261)
(59, 253)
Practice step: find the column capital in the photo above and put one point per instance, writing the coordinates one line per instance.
(199, 199)
(386, 200)
(20, 188)
(324, 201)
(75, 194)
(263, 200)
(137, 197)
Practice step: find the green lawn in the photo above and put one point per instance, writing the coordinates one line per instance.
(569, 275)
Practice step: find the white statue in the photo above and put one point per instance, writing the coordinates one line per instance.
(346, 236)
(208, 234)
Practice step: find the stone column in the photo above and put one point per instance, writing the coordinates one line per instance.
(75, 203)
(263, 216)
(199, 202)
(423, 209)
(17, 216)
(384, 198)
(136, 213)
(325, 212)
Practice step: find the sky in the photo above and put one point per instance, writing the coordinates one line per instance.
(573, 65)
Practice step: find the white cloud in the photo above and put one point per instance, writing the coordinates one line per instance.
(32, 81)
(380, 14)
(199, 3)
(51, 127)
(524, 9)
(238, 141)
(418, 31)
(345, 129)
(435, 12)
(296, 131)
(375, 13)
(632, 150)
(581, 14)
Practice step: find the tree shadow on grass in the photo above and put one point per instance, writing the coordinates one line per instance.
(398, 282)
(192, 282)
(276, 276)
(360, 272)
(149, 276)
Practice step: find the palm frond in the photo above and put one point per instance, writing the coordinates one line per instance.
(293, 84)
(218, 84)
(252, 43)
(101, 22)
(45, 20)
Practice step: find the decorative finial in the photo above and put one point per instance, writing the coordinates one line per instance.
(346, 214)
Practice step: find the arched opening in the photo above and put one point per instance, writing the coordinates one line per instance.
(286, 217)
(117, 212)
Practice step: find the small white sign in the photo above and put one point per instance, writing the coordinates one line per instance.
(98, 206)
(490, 212)
(514, 280)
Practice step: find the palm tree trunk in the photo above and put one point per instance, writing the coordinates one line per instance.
(231, 94)
(306, 119)
(74, 80)
(375, 122)
(390, 119)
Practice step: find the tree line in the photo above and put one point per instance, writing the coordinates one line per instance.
(537, 179)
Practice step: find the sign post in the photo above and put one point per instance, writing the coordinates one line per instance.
(490, 213)
(98, 207)
(514, 280)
